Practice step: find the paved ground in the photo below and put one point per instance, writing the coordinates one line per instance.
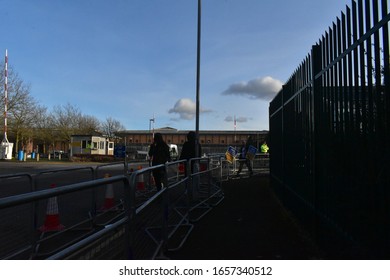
(249, 223)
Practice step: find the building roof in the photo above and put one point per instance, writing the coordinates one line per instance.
(88, 135)
(170, 130)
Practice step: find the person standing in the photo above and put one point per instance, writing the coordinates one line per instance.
(189, 149)
(159, 154)
(264, 148)
(243, 159)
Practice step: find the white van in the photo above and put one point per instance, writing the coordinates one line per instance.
(173, 152)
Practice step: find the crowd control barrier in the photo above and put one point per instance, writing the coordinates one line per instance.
(111, 212)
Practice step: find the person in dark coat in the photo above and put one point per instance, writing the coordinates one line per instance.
(243, 158)
(159, 154)
(189, 148)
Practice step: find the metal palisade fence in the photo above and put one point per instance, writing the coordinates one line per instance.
(329, 132)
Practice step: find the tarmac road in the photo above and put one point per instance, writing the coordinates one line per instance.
(33, 167)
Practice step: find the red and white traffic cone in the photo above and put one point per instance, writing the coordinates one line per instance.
(141, 182)
(181, 168)
(52, 219)
(109, 200)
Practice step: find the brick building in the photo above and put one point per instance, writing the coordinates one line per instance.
(211, 140)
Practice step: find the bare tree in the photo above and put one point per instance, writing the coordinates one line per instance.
(43, 128)
(111, 126)
(24, 121)
(28, 120)
(88, 125)
(68, 120)
(23, 110)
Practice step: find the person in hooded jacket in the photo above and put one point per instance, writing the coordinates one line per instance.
(189, 149)
(243, 159)
(159, 154)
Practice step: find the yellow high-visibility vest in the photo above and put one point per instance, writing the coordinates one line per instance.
(264, 148)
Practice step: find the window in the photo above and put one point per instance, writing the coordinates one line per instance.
(86, 144)
(101, 147)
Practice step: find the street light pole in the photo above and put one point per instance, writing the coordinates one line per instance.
(150, 126)
(198, 80)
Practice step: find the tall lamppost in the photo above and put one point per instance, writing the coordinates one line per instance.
(198, 80)
(150, 127)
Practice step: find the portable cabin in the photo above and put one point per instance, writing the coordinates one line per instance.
(91, 145)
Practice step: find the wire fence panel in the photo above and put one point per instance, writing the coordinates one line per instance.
(16, 222)
(108, 212)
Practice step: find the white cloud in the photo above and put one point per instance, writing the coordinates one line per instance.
(264, 88)
(238, 119)
(186, 109)
(229, 119)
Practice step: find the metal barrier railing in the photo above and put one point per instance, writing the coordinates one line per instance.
(113, 168)
(64, 239)
(141, 224)
(16, 224)
(205, 193)
(260, 165)
(104, 241)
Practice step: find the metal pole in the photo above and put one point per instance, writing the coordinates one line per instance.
(150, 127)
(153, 126)
(5, 94)
(235, 126)
(150, 131)
(197, 80)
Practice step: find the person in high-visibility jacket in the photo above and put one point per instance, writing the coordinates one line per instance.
(264, 148)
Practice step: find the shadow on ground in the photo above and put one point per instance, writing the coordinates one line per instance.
(250, 223)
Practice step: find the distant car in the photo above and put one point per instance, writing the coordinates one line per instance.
(173, 152)
(57, 154)
(142, 154)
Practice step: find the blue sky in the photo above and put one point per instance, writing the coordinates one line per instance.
(132, 59)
